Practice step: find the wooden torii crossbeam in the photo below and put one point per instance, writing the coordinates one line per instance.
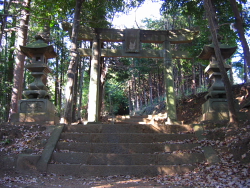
(132, 39)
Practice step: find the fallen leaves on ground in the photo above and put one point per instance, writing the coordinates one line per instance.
(227, 173)
(18, 139)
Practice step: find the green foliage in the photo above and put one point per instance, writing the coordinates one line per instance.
(119, 70)
(98, 14)
(95, 13)
(115, 95)
(154, 24)
(194, 10)
(51, 12)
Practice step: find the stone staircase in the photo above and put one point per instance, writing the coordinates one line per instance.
(127, 147)
(135, 145)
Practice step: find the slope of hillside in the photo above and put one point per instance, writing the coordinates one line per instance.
(189, 108)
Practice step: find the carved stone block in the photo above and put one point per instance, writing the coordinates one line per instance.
(35, 106)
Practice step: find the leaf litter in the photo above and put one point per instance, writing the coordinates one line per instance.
(229, 172)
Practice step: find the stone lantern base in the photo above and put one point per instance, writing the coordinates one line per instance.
(36, 110)
(217, 110)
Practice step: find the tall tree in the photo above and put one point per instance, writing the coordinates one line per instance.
(69, 89)
(19, 60)
(213, 26)
(6, 7)
(241, 32)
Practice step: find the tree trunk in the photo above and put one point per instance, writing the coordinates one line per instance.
(61, 80)
(180, 78)
(144, 93)
(200, 75)
(74, 114)
(231, 73)
(19, 60)
(164, 92)
(186, 87)
(130, 97)
(82, 71)
(193, 80)
(45, 34)
(140, 89)
(103, 71)
(176, 81)
(4, 19)
(69, 89)
(137, 95)
(212, 23)
(56, 78)
(11, 61)
(158, 85)
(150, 88)
(134, 93)
(246, 71)
(241, 33)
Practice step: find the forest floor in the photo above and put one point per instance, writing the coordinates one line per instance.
(232, 145)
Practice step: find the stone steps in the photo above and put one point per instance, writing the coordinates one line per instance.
(124, 149)
(124, 137)
(127, 159)
(120, 149)
(127, 128)
(131, 119)
(146, 119)
(80, 170)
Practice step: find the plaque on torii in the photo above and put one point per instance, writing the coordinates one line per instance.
(132, 39)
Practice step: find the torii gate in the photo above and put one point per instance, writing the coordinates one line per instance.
(132, 39)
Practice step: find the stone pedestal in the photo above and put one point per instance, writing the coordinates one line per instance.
(216, 106)
(37, 110)
(215, 109)
(37, 107)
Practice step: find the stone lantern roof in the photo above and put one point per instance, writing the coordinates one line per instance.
(208, 51)
(39, 47)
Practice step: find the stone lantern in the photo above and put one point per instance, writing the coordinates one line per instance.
(216, 107)
(37, 107)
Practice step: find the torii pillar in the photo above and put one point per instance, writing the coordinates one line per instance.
(93, 103)
(141, 36)
(169, 83)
